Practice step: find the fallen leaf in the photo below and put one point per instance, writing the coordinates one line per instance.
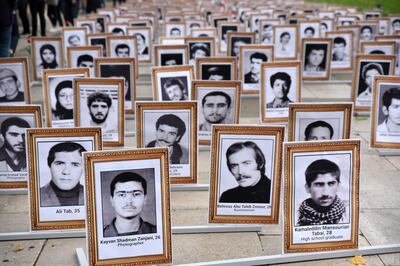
(18, 248)
(358, 260)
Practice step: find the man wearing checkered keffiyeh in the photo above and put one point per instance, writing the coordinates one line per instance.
(324, 206)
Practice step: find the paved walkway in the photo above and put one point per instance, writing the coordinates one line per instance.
(379, 202)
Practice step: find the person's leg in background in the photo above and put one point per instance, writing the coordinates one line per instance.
(51, 14)
(41, 5)
(14, 35)
(5, 41)
(58, 13)
(34, 10)
(22, 8)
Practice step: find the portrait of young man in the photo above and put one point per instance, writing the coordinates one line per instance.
(11, 87)
(216, 107)
(253, 76)
(236, 43)
(367, 73)
(280, 83)
(198, 50)
(174, 89)
(324, 206)
(318, 130)
(66, 167)
(119, 70)
(143, 47)
(216, 71)
(170, 129)
(390, 107)
(171, 59)
(99, 105)
(12, 152)
(246, 163)
(339, 50)
(122, 50)
(224, 34)
(284, 44)
(86, 60)
(128, 195)
(366, 33)
(315, 57)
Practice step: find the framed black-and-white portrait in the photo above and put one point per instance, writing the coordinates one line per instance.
(356, 35)
(100, 23)
(56, 179)
(254, 22)
(137, 178)
(251, 58)
(46, 54)
(174, 29)
(14, 120)
(266, 31)
(120, 68)
(321, 188)
(342, 50)
(216, 19)
(98, 39)
(366, 67)
(368, 30)
(14, 81)
(83, 57)
(89, 24)
(216, 68)
(172, 125)
(172, 83)
(122, 46)
(319, 121)
(378, 47)
(326, 24)
(99, 102)
(285, 40)
(73, 36)
(223, 28)
(236, 39)
(171, 55)
(346, 20)
(144, 42)
(116, 29)
(395, 38)
(316, 57)
(218, 102)
(204, 32)
(171, 40)
(194, 24)
(394, 23)
(385, 114)
(309, 29)
(58, 91)
(280, 85)
(246, 173)
(383, 26)
(200, 47)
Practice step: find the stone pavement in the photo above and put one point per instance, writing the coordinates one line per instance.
(379, 203)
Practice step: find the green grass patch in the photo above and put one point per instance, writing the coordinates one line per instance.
(388, 6)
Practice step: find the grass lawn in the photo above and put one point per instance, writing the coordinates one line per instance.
(388, 6)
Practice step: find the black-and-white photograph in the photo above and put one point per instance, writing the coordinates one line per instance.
(378, 47)
(13, 167)
(322, 194)
(236, 41)
(342, 49)
(322, 191)
(245, 174)
(203, 32)
(217, 106)
(198, 49)
(143, 37)
(171, 55)
(120, 70)
(124, 214)
(174, 88)
(122, 46)
(267, 30)
(58, 182)
(223, 31)
(14, 82)
(47, 54)
(89, 24)
(386, 113)
(81, 57)
(100, 106)
(98, 40)
(172, 83)
(368, 31)
(175, 30)
(171, 59)
(128, 209)
(316, 58)
(309, 29)
(172, 130)
(367, 69)
(73, 36)
(117, 29)
(216, 71)
(251, 59)
(285, 39)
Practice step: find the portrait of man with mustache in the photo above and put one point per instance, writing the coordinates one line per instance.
(246, 162)
(169, 131)
(216, 106)
(99, 105)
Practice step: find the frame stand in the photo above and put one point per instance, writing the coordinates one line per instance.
(198, 229)
(283, 258)
(388, 152)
